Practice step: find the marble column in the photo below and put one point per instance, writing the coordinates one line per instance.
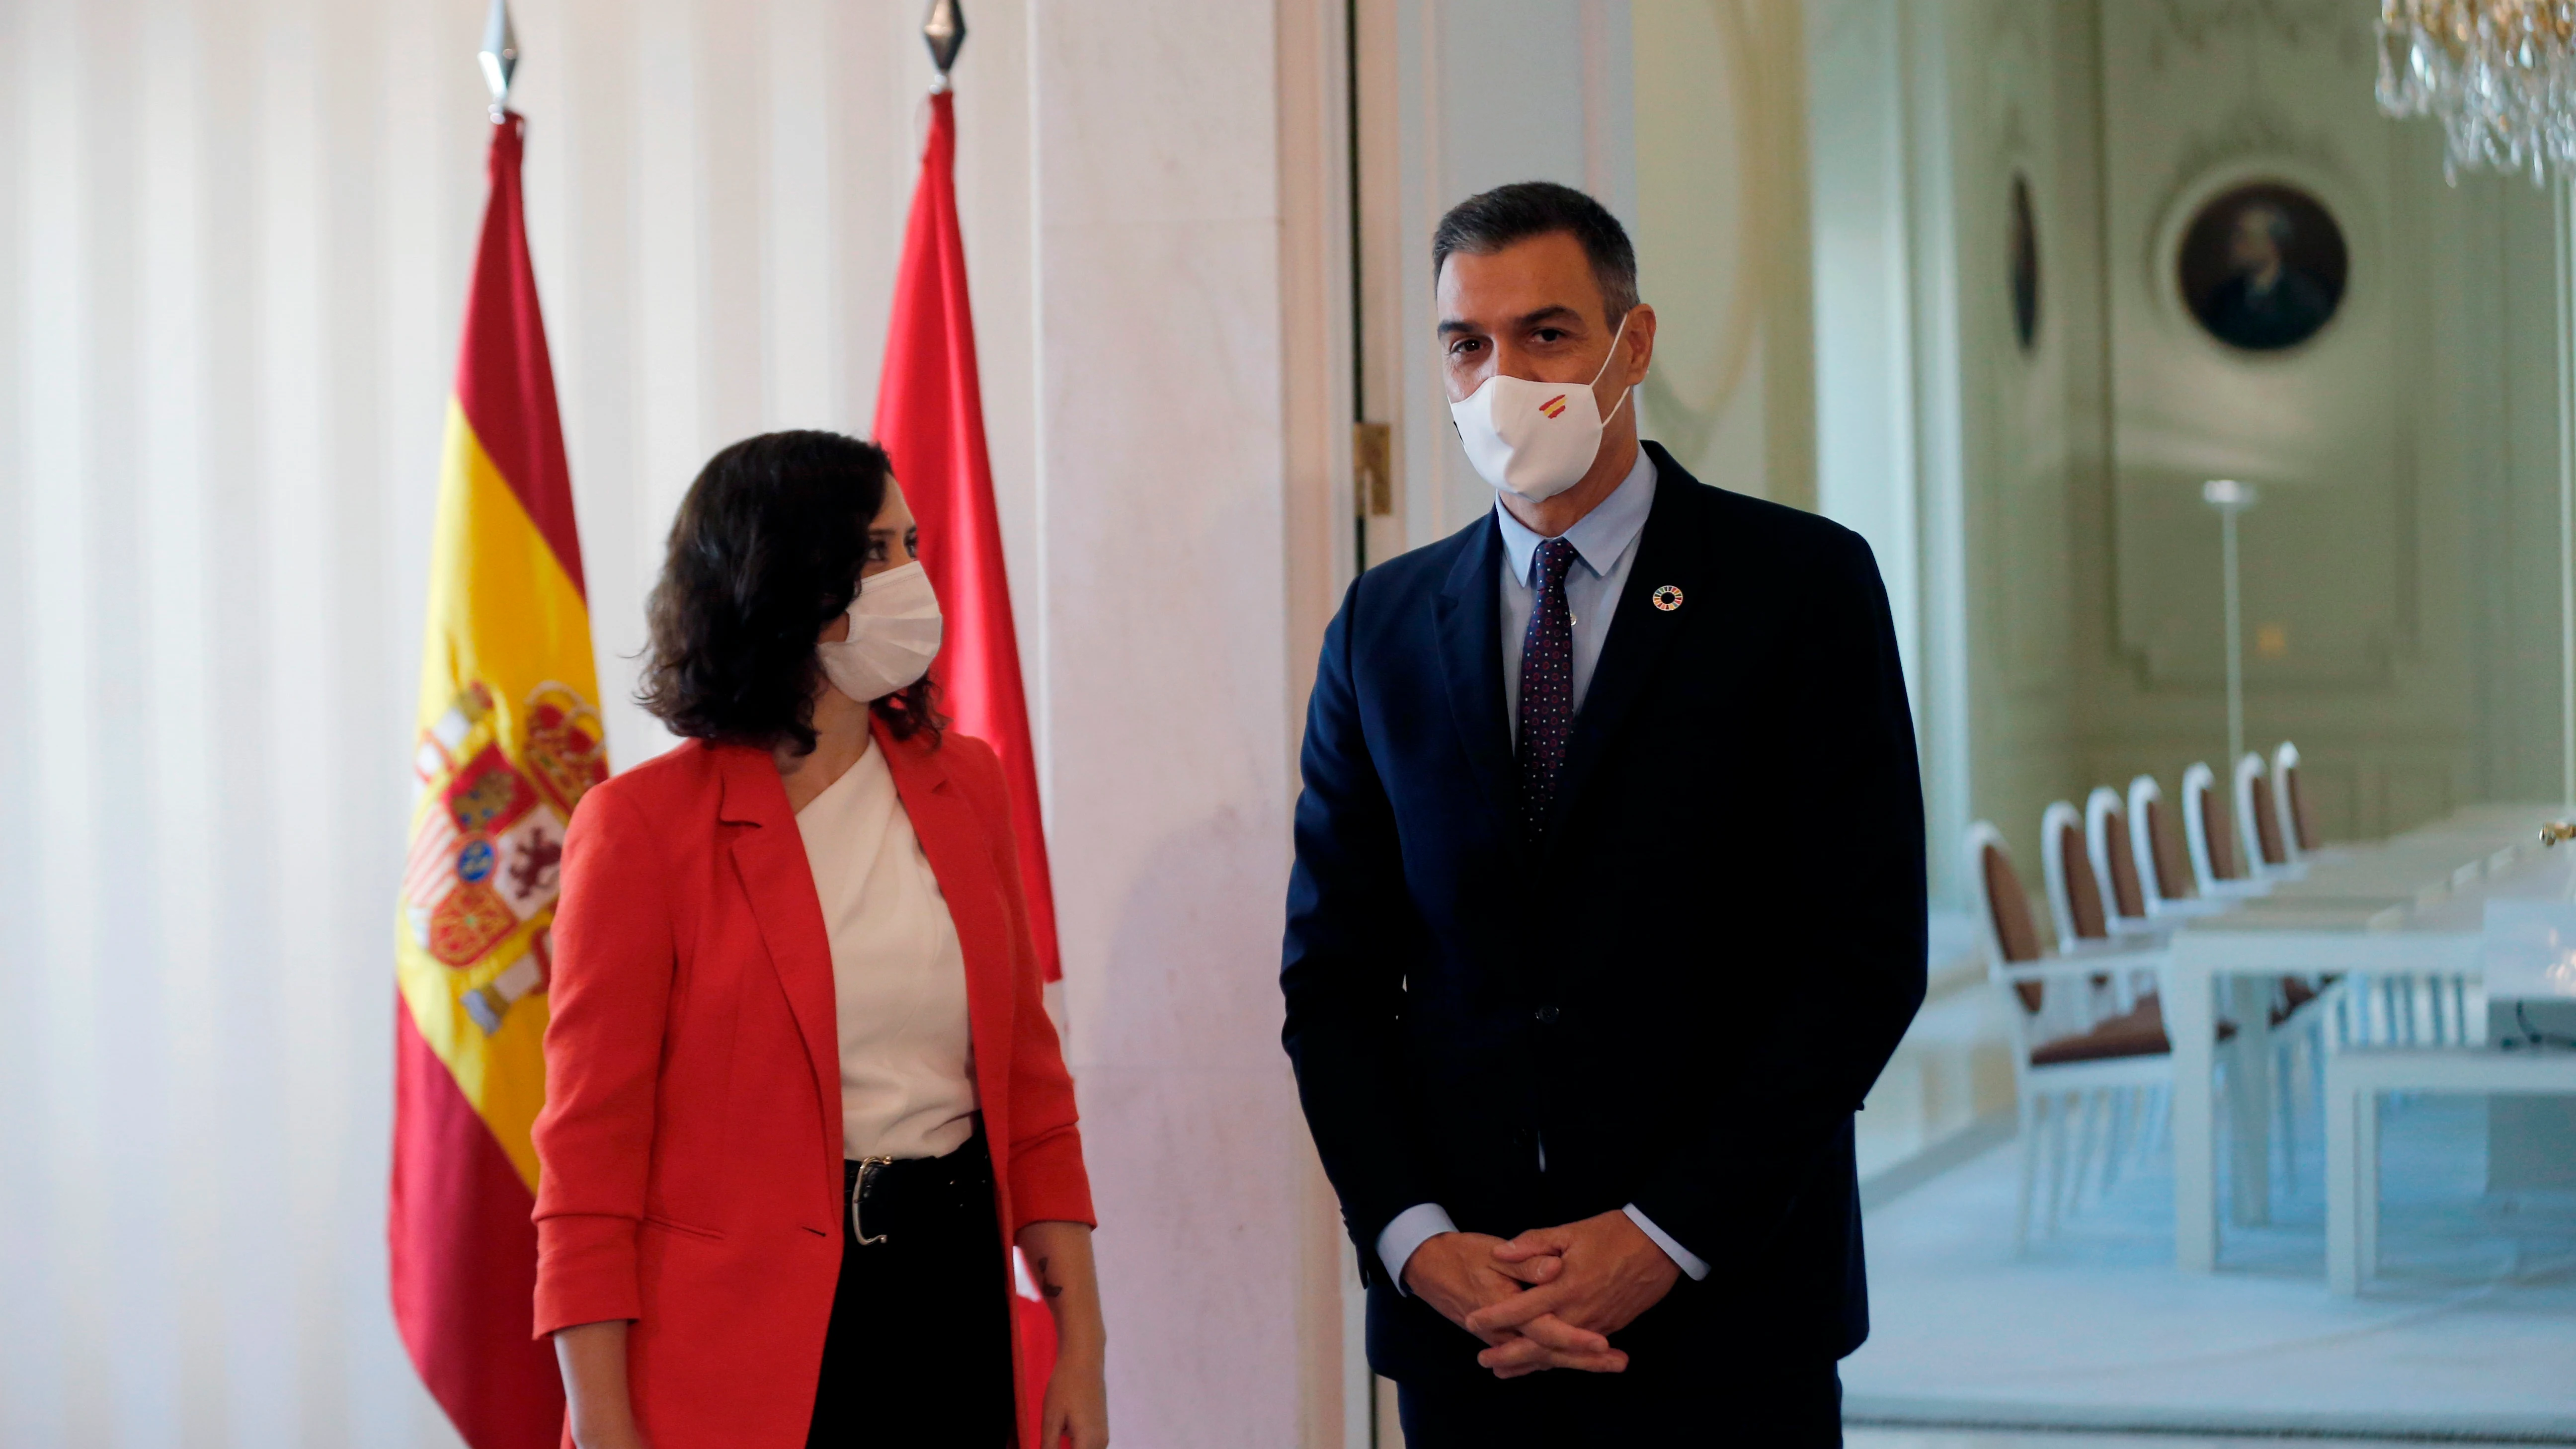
(1163, 697)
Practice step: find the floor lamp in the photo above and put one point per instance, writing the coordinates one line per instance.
(2565, 212)
(2231, 498)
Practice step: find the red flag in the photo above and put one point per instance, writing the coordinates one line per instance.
(930, 420)
(509, 739)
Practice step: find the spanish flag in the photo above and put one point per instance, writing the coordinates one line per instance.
(930, 420)
(509, 739)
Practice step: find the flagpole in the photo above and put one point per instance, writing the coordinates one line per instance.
(944, 31)
(499, 57)
(930, 418)
(508, 691)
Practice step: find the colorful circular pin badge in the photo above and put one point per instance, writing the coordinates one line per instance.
(1668, 598)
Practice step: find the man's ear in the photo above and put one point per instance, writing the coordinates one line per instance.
(1639, 341)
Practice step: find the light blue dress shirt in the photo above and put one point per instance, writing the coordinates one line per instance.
(1605, 545)
(1605, 541)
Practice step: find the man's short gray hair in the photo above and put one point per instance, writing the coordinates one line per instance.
(1492, 220)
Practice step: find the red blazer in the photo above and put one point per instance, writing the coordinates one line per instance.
(690, 1146)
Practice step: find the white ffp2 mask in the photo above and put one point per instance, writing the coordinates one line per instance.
(894, 634)
(1536, 439)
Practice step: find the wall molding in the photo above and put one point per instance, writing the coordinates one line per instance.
(2196, 24)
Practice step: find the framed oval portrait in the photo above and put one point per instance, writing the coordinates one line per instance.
(2262, 266)
(2025, 266)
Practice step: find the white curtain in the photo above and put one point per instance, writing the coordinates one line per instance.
(233, 235)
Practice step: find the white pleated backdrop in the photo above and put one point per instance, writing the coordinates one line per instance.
(234, 234)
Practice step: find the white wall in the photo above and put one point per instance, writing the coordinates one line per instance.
(2400, 571)
(1863, 197)
(1722, 251)
(2067, 630)
(1165, 630)
(1481, 92)
(1887, 389)
(233, 237)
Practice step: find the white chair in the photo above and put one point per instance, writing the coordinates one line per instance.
(2298, 829)
(2074, 893)
(2071, 1046)
(2368, 1011)
(2354, 1082)
(2087, 903)
(2164, 865)
(2297, 1008)
(2217, 866)
(2171, 871)
(2405, 1011)
(2115, 863)
(2261, 833)
(2258, 825)
(2299, 1004)
(2075, 901)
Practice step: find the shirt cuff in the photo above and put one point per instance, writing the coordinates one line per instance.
(1412, 1228)
(1683, 1258)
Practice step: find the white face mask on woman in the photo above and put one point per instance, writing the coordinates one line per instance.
(1536, 439)
(894, 634)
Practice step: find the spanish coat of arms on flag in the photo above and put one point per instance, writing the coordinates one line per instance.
(509, 739)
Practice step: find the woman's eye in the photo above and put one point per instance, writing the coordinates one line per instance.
(912, 544)
(876, 550)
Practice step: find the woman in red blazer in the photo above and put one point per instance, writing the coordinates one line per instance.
(801, 1092)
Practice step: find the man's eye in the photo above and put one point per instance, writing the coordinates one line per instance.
(1550, 334)
(1462, 346)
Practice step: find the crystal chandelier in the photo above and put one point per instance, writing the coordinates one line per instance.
(2500, 75)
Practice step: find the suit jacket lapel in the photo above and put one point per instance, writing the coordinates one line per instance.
(1471, 658)
(954, 840)
(769, 858)
(1640, 634)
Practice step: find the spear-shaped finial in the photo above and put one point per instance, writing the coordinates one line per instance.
(500, 55)
(945, 32)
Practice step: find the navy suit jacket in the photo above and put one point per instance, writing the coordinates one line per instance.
(1685, 988)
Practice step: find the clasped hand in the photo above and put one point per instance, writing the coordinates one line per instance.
(1549, 1298)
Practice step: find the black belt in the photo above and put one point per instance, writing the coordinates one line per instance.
(895, 1190)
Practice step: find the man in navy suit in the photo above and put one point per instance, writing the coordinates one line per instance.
(1608, 900)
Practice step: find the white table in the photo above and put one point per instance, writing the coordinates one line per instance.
(2354, 1082)
(2408, 907)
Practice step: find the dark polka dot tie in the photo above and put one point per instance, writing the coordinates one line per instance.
(1547, 687)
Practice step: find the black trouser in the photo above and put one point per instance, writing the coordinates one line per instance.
(1768, 1405)
(919, 1352)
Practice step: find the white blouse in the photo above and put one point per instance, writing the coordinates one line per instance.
(898, 976)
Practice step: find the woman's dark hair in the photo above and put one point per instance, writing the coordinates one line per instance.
(765, 554)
